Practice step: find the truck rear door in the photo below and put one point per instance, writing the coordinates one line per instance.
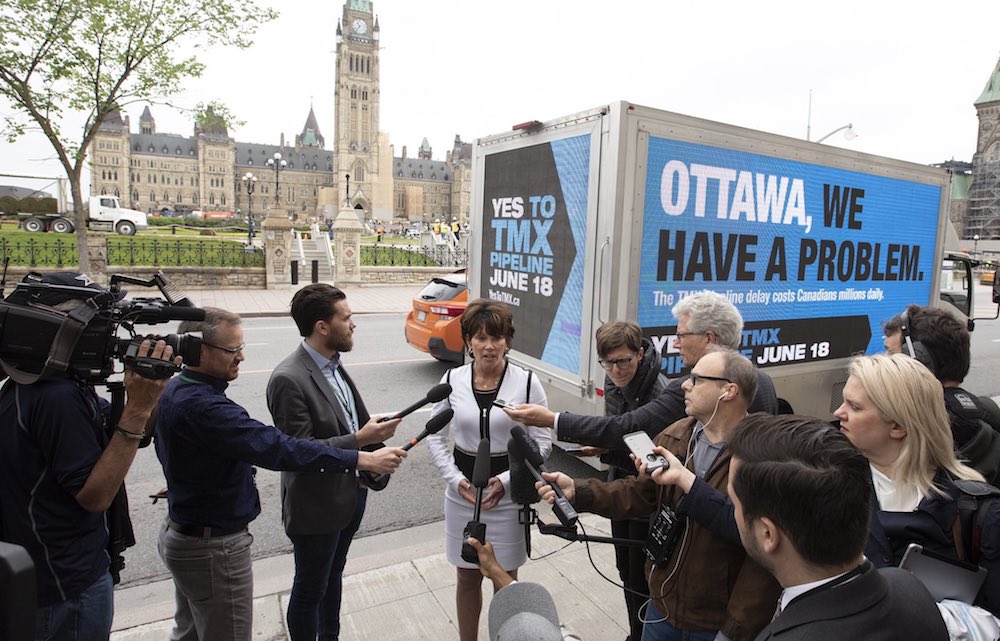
(533, 246)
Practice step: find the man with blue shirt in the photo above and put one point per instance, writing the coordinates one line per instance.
(208, 446)
(62, 463)
(311, 396)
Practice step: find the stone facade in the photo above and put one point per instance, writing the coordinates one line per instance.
(983, 217)
(152, 171)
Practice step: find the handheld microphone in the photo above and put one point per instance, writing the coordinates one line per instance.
(522, 483)
(433, 426)
(437, 393)
(480, 479)
(524, 448)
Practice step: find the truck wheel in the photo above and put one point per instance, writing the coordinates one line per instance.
(125, 228)
(62, 226)
(33, 224)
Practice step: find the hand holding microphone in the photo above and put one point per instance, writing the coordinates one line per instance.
(523, 447)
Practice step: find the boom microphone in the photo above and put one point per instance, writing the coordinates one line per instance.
(437, 393)
(525, 449)
(480, 479)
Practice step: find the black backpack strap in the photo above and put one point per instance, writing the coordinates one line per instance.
(527, 394)
(968, 539)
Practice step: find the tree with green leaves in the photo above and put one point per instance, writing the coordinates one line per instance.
(91, 57)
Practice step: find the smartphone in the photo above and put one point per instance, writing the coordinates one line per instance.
(573, 451)
(642, 446)
(504, 404)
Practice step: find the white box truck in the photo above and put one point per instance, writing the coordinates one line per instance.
(621, 211)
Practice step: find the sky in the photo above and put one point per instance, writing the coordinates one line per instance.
(905, 74)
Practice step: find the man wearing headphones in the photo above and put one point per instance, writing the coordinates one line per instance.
(738, 600)
(942, 343)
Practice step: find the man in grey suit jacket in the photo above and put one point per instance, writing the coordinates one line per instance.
(800, 492)
(311, 396)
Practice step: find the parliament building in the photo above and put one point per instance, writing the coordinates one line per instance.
(154, 171)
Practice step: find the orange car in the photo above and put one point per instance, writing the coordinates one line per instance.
(435, 324)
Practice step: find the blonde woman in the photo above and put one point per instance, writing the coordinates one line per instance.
(894, 413)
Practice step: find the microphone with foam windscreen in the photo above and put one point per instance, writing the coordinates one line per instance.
(480, 479)
(437, 393)
(433, 426)
(525, 449)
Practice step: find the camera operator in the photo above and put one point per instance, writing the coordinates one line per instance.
(61, 466)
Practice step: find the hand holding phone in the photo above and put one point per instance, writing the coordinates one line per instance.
(642, 446)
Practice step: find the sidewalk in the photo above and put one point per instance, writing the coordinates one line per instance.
(398, 586)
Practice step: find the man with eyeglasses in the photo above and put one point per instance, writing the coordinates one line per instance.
(704, 320)
(702, 586)
(208, 446)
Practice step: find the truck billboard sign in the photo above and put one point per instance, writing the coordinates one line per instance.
(814, 257)
(535, 204)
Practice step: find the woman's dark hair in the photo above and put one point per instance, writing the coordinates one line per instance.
(492, 317)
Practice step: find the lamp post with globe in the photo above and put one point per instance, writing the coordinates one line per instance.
(250, 181)
(277, 163)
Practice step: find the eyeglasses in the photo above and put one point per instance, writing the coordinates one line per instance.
(232, 351)
(698, 377)
(682, 335)
(620, 363)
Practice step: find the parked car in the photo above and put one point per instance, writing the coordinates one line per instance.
(435, 324)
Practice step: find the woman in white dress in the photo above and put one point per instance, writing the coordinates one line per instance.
(487, 329)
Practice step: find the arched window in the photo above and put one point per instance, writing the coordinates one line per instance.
(194, 197)
(152, 197)
(117, 193)
(180, 197)
(223, 200)
(211, 199)
(104, 192)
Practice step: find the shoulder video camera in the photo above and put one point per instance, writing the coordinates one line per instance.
(60, 324)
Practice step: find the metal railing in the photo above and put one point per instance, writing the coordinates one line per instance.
(179, 253)
(50, 251)
(388, 255)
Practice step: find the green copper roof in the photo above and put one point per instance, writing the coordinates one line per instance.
(991, 93)
(425, 144)
(365, 6)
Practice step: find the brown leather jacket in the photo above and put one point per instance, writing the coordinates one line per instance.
(715, 585)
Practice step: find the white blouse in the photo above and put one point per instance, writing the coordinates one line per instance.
(465, 424)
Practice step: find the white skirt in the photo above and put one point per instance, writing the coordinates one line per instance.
(502, 530)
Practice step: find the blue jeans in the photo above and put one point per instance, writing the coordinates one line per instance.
(314, 604)
(657, 628)
(88, 616)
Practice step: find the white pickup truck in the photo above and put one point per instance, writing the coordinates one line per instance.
(104, 213)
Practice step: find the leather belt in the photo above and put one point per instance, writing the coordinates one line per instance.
(201, 531)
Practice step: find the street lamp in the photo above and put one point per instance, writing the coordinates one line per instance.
(250, 181)
(848, 130)
(278, 164)
(975, 245)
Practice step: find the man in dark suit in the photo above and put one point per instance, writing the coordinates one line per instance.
(801, 492)
(311, 396)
